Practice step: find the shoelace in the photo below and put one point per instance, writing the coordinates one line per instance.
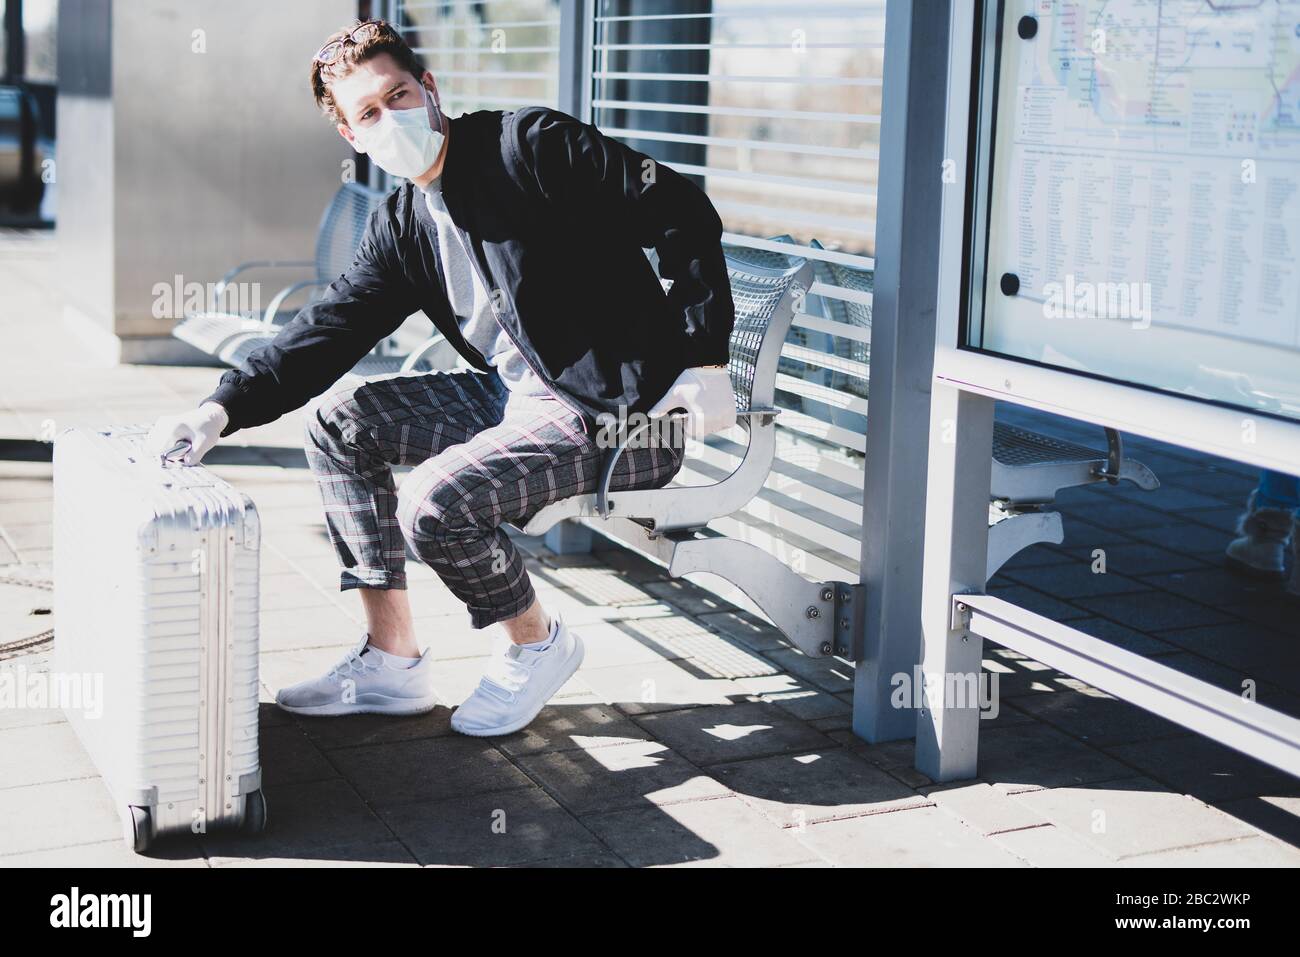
(351, 662)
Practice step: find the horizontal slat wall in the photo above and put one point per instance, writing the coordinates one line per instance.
(773, 108)
(486, 54)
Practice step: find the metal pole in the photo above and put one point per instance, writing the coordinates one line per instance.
(902, 354)
(15, 42)
(574, 52)
(956, 550)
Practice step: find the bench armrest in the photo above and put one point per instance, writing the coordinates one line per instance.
(420, 351)
(261, 264)
(268, 317)
(611, 460)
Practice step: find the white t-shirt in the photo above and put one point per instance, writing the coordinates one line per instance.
(472, 307)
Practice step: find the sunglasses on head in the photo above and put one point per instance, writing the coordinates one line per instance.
(331, 51)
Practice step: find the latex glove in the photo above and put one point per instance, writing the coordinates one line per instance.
(706, 395)
(200, 427)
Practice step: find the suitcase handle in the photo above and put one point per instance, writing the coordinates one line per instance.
(183, 445)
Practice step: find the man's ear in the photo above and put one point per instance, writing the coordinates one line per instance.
(345, 131)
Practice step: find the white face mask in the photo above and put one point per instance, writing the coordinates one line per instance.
(404, 142)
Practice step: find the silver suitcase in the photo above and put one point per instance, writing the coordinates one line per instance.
(156, 595)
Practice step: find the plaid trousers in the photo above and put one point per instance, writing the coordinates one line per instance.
(481, 456)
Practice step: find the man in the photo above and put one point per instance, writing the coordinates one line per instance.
(521, 235)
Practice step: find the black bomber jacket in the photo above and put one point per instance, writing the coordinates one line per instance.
(557, 216)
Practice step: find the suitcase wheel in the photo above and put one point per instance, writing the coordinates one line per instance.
(254, 813)
(141, 832)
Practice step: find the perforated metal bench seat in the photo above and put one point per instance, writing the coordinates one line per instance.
(232, 336)
(1029, 468)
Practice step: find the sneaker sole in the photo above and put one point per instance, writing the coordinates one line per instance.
(393, 706)
(572, 666)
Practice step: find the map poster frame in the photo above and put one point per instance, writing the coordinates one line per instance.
(1215, 426)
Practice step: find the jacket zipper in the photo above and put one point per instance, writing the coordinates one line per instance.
(522, 352)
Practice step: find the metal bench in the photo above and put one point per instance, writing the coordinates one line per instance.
(233, 336)
(1030, 468)
(670, 523)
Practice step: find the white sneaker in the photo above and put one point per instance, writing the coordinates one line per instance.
(517, 684)
(362, 683)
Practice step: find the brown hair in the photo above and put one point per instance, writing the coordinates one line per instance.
(387, 40)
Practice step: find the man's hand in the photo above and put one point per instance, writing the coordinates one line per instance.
(200, 427)
(706, 395)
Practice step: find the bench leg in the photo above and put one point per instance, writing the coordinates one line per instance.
(956, 553)
(804, 610)
(1015, 533)
(569, 538)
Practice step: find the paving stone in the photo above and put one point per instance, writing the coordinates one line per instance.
(181, 850)
(717, 733)
(288, 756)
(491, 830)
(619, 776)
(1210, 586)
(660, 685)
(792, 695)
(1152, 611)
(829, 674)
(888, 755)
(839, 722)
(746, 628)
(1244, 647)
(594, 584)
(1097, 718)
(981, 807)
(1205, 769)
(1275, 816)
(1169, 497)
(371, 854)
(1051, 847)
(301, 821)
(426, 769)
(1195, 540)
(40, 753)
(917, 837)
(1235, 680)
(1126, 515)
(580, 614)
(635, 567)
(560, 727)
(793, 790)
(690, 598)
(1035, 601)
(1133, 816)
(1079, 533)
(1124, 637)
(1077, 580)
(59, 814)
(601, 861)
(371, 729)
(1276, 610)
(321, 626)
(1246, 852)
(1036, 755)
(1018, 675)
(1139, 558)
(289, 590)
(724, 832)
